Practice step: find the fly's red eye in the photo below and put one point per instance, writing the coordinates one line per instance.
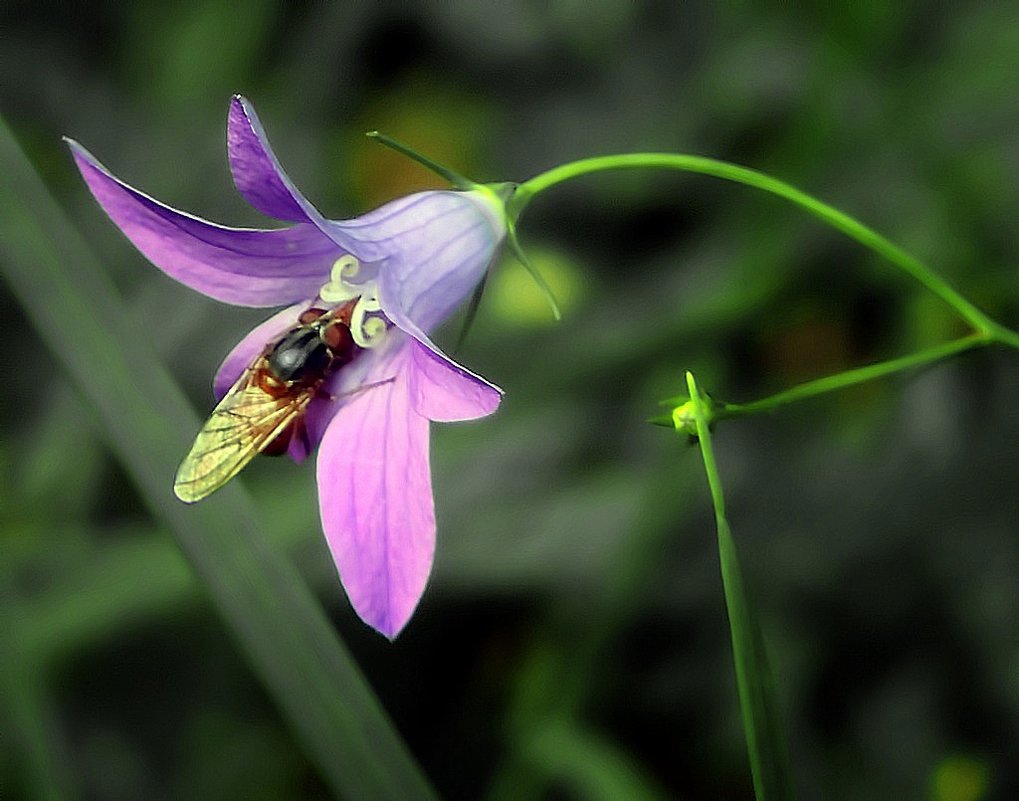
(338, 338)
(310, 315)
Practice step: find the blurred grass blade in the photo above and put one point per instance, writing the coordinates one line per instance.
(762, 727)
(28, 722)
(148, 422)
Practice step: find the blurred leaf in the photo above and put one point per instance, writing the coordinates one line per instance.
(47, 469)
(594, 767)
(961, 777)
(517, 300)
(117, 586)
(185, 54)
(281, 628)
(762, 727)
(28, 719)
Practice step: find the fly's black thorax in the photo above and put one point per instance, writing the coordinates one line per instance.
(300, 356)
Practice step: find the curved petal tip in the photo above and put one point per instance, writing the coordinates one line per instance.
(257, 173)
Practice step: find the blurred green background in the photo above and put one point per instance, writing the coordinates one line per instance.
(572, 643)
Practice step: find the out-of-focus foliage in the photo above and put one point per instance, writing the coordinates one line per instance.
(573, 640)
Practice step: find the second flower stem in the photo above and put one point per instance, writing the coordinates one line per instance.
(849, 378)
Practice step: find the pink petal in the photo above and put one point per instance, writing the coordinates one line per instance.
(443, 391)
(375, 497)
(242, 266)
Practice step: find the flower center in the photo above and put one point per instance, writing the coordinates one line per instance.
(367, 324)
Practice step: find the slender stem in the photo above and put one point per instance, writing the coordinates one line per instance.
(1004, 336)
(536, 276)
(743, 175)
(762, 721)
(848, 378)
(701, 415)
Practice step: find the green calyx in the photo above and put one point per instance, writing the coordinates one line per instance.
(502, 196)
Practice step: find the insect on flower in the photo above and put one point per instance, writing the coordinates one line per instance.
(264, 410)
(347, 368)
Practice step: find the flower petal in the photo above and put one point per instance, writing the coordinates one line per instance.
(453, 234)
(242, 266)
(443, 391)
(439, 246)
(256, 170)
(260, 178)
(375, 497)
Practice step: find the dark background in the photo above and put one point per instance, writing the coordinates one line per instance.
(572, 643)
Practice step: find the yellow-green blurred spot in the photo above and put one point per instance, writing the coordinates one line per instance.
(514, 298)
(961, 778)
(438, 120)
(928, 320)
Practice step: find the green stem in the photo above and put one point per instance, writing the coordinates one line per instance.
(743, 175)
(1004, 336)
(701, 412)
(849, 378)
(759, 708)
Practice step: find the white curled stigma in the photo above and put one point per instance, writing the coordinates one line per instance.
(339, 287)
(367, 331)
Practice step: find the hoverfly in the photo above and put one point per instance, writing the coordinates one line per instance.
(264, 410)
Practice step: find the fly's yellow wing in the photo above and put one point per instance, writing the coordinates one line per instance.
(242, 424)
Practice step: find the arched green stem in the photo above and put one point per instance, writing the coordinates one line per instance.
(743, 175)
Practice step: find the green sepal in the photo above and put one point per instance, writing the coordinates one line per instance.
(455, 178)
(539, 279)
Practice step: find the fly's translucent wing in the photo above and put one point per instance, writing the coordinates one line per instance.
(242, 424)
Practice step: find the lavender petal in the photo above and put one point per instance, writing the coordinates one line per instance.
(245, 267)
(443, 391)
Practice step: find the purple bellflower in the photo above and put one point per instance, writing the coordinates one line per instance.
(404, 268)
